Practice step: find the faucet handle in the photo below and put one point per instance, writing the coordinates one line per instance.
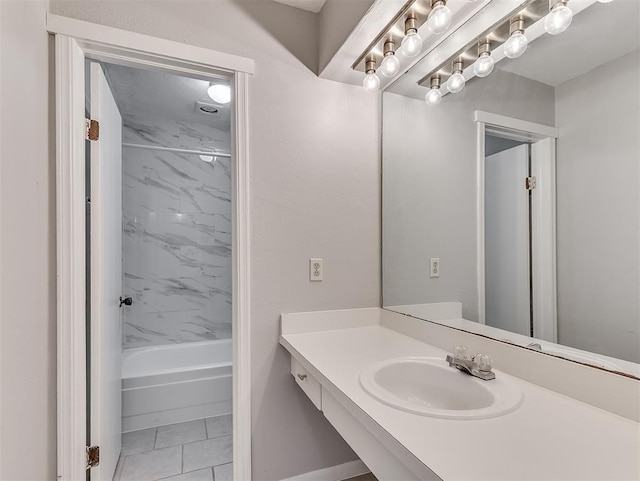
(483, 361)
(460, 352)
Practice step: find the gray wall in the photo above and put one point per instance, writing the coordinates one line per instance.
(27, 246)
(599, 210)
(315, 193)
(429, 185)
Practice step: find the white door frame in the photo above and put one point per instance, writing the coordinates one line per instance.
(74, 41)
(544, 219)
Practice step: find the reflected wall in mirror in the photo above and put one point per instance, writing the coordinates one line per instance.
(524, 187)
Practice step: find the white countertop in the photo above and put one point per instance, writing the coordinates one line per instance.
(550, 437)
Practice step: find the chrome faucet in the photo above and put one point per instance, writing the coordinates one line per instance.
(478, 365)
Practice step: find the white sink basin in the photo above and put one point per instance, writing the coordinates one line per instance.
(429, 387)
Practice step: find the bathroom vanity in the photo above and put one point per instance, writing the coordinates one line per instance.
(545, 436)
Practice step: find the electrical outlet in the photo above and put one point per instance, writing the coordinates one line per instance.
(316, 270)
(434, 267)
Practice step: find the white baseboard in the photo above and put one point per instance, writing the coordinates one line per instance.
(334, 473)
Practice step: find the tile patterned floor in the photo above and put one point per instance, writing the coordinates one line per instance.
(199, 450)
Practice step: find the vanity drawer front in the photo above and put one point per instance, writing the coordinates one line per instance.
(307, 383)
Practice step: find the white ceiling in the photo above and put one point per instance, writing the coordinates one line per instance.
(597, 35)
(310, 5)
(159, 94)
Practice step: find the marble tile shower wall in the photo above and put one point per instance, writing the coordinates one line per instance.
(177, 234)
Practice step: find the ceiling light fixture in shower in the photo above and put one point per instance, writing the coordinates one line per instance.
(219, 93)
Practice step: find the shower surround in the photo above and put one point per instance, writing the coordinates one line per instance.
(177, 234)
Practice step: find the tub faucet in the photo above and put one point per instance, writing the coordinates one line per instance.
(478, 365)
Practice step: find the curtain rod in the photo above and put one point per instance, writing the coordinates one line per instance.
(176, 150)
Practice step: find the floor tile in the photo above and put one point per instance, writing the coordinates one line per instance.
(200, 475)
(138, 441)
(211, 452)
(181, 433)
(223, 473)
(219, 426)
(152, 465)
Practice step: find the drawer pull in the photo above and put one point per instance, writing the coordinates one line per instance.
(302, 377)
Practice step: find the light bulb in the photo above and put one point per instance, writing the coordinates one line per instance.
(206, 158)
(433, 97)
(390, 66)
(516, 44)
(411, 44)
(558, 20)
(220, 93)
(484, 65)
(439, 18)
(605, 1)
(456, 83)
(371, 82)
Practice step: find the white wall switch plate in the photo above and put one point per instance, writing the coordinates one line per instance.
(434, 267)
(316, 269)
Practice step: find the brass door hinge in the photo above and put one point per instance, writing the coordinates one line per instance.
(530, 183)
(93, 129)
(93, 456)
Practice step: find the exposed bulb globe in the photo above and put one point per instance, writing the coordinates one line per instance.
(558, 20)
(390, 66)
(433, 97)
(439, 19)
(516, 45)
(456, 83)
(605, 1)
(207, 158)
(371, 82)
(484, 65)
(220, 93)
(411, 44)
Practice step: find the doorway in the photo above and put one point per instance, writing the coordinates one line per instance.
(159, 290)
(516, 226)
(76, 42)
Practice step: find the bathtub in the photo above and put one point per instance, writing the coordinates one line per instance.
(174, 383)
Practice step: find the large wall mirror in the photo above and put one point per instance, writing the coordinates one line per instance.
(511, 208)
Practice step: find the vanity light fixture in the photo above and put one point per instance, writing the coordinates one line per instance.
(371, 82)
(439, 17)
(559, 17)
(485, 63)
(457, 81)
(412, 41)
(434, 95)
(517, 42)
(219, 93)
(390, 65)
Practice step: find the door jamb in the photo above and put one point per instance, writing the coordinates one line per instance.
(544, 234)
(75, 40)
